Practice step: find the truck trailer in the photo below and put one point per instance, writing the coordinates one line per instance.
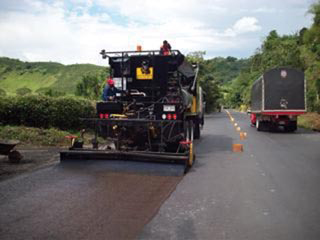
(278, 97)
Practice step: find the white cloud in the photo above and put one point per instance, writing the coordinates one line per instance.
(244, 25)
(59, 31)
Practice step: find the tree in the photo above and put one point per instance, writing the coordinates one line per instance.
(90, 87)
(196, 57)
(310, 53)
(212, 92)
(315, 10)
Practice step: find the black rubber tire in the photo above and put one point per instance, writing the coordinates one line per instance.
(273, 127)
(266, 126)
(197, 131)
(15, 156)
(263, 126)
(289, 128)
(258, 125)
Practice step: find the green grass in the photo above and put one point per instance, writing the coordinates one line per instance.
(16, 74)
(34, 81)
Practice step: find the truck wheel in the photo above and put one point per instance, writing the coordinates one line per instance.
(262, 125)
(273, 127)
(266, 126)
(289, 128)
(258, 125)
(197, 131)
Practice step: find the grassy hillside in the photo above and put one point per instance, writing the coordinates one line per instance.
(224, 70)
(15, 74)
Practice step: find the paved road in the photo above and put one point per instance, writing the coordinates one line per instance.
(85, 200)
(270, 191)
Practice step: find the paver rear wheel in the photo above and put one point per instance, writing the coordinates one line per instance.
(189, 137)
(197, 132)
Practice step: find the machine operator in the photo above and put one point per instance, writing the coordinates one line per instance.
(109, 91)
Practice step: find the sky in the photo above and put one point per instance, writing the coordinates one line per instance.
(74, 31)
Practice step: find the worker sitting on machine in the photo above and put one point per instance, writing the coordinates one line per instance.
(165, 48)
(109, 91)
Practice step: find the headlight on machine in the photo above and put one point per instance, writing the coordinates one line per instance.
(169, 108)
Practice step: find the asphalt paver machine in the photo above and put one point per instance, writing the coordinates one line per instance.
(155, 116)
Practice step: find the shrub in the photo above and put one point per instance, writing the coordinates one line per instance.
(310, 120)
(35, 136)
(23, 91)
(45, 112)
(50, 92)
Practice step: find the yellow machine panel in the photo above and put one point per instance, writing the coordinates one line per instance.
(143, 75)
(194, 105)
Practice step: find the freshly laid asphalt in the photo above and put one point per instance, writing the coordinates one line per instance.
(268, 191)
(84, 200)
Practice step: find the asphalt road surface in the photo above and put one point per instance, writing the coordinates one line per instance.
(271, 190)
(85, 200)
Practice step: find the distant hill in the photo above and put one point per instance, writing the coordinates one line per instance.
(42, 76)
(37, 76)
(226, 69)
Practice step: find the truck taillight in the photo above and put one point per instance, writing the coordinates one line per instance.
(106, 116)
(174, 116)
(101, 116)
(169, 116)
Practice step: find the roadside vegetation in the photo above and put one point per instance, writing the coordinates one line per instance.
(310, 121)
(42, 120)
(214, 75)
(45, 112)
(35, 136)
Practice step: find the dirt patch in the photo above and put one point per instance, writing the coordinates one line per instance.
(33, 158)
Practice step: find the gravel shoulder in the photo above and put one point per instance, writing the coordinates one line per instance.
(33, 158)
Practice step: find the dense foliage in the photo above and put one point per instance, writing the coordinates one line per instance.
(44, 112)
(91, 86)
(214, 75)
(300, 50)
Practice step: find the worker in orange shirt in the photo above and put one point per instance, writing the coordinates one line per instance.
(165, 48)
